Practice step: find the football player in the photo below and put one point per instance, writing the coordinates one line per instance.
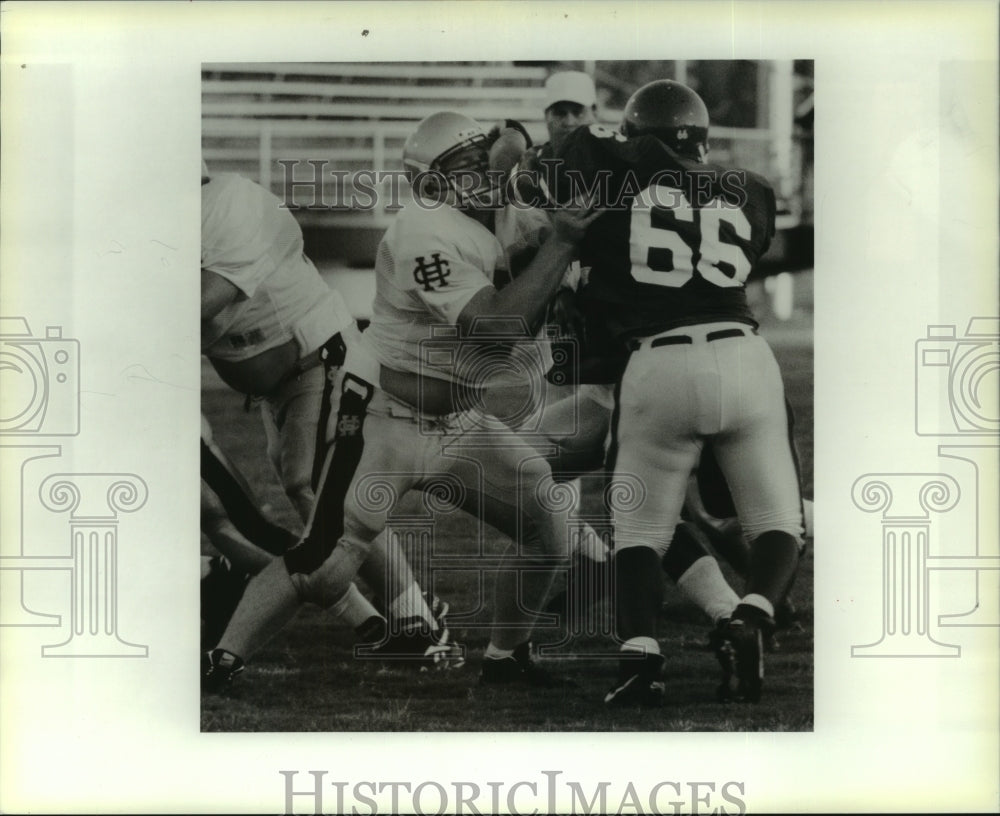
(571, 102)
(246, 541)
(418, 418)
(668, 263)
(276, 332)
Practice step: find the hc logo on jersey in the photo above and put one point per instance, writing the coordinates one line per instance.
(431, 275)
(348, 425)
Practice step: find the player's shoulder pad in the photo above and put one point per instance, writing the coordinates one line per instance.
(233, 209)
(756, 180)
(586, 136)
(763, 188)
(420, 229)
(599, 131)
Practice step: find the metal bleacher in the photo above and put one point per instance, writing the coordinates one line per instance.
(260, 121)
(278, 123)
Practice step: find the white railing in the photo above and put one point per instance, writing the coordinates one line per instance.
(254, 148)
(352, 117)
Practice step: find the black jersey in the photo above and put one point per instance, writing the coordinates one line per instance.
(678, 238)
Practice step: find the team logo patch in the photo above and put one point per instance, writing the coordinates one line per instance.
(348, 425)
(431, 275)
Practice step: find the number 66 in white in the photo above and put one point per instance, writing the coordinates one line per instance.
(712, 249)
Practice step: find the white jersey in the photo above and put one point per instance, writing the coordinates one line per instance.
(251, 240)
(430, 263)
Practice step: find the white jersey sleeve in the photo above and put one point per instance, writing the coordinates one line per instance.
(429, 265)
(442, 267)
(244, 235)
(251, 240)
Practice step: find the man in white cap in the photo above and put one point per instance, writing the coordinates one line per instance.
(570, 101)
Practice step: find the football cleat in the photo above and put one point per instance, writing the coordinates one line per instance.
(520, 669)
(221, 591)
(373, 630)
(439, 608)
(218, 668)
(786, 616)
(417, 647)
(640, 682)
(786, 619)
(739, 648)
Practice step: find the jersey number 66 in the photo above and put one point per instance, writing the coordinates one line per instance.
(660, 254)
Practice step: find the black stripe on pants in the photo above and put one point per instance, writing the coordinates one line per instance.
(327, 524)
(334, 353)
(241, 508)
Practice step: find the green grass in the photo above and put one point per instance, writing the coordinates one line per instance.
(307, 679)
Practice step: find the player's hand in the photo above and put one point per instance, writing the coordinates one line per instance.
(570, 222)
(566, 315)
(508, 142)
(508, 124)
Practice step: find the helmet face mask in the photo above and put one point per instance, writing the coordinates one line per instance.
(673, 113)
(467, 172)
(453, 149)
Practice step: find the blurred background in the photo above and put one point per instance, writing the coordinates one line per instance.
(269, 121)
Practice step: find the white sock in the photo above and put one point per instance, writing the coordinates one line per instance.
(643, 643)
(704, 585)
(353, 608)
(589, 544)
(760, 602)
(493, 653)
(410, 603)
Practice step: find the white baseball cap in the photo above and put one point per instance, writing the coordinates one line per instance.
(570, 86)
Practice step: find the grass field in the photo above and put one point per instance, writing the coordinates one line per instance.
(307, 678)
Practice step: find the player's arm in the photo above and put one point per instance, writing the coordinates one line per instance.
(216, 294)
(529, 294)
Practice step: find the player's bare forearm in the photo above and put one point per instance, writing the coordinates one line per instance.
(216, 294)
(528, 295)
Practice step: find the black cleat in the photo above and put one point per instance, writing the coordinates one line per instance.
(640, 682)
(218, 668)
(786, 619)
(417, 646)
(739, 647)
(519, 668)
(374, 630)
(786, 616)
(439, 608)
(221, 591)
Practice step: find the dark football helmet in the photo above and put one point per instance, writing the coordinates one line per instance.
(671, 112)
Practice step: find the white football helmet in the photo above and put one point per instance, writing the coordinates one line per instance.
(452, 148)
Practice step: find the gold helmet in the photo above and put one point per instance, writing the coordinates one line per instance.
(452, 148)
